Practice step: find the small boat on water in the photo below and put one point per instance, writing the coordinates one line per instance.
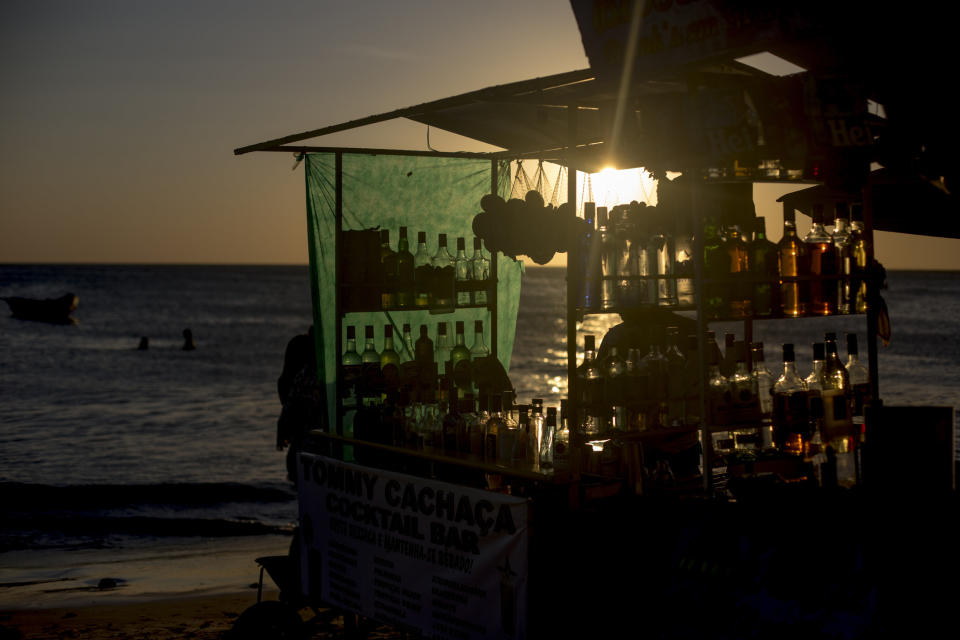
(54, 310)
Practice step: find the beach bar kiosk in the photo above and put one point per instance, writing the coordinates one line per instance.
(425, 506)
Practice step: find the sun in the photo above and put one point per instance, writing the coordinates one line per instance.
(610, 187)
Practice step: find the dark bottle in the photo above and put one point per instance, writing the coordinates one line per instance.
(444, 275)
(764, 271)
(591, 389)
(823, 266)
(676, 383)
(352, 366)
(683, 263)
(791, 416)
(858, 242)
(388, 271)
(794, 264)
(741, 298)
(859, 378)
(715, 271)
(614, 373)
(845, 259)
(590, 265)
(608, 260)
(729, 361)
(464, 268)
(480, 270)
(405, 272)
(837, 398)
(424, 357)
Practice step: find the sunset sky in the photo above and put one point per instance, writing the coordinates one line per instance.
(119, 117)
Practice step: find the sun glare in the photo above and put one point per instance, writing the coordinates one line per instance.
(611, 187)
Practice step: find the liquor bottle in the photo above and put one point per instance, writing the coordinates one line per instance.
(450, 410)
(547, 439)
(423, 349)
(793, 260)
(729, 361)
(763, 271)
(370, 364)
(408, 349)
(423, 273)
(715, 271)
(676, 383)
(444, 274)
(479, 348)
(459, 354)
(405, 272)
(654, 367)
(388, 271)
(837, 397)
(591, 389)
(478, 427)
(683, 263)
(815, 396)
(628, 288)
(662, 244)
(613, 371)
(741, 291)
(352, 367)
(589, 270)
(845, 259)
(713, 349)
(389, 358)
(719, 399)
(859, 378)
(480, 272)
(464, 425)
(537, 426)
(745, 396)
(858, 241)
(522, 434)
(464, 269)
(764, 382)
(444, 348)
(561, 440)
(791, 420)
(495, 424)
(823, 266)
(608, 262)
(509, 433)
(638, 400)
(646, 258)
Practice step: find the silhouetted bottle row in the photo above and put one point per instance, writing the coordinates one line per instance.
(384, 278)
(661, 390)
(632, 257)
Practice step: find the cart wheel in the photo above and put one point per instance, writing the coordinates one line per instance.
(269, 620)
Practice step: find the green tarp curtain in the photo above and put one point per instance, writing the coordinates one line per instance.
(431, 194)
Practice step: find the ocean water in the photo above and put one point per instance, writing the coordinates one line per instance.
(101, 444)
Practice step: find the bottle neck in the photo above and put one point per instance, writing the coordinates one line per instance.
(460, 339)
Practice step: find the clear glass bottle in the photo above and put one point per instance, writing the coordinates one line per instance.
(791, 416)
(729, 362)
(444, 348)
(369, 355)
(614, 370)
(719, 398)
(405, 272)
(845, 259)
(464, 268)
(676, 382)
(591, 389)
(815, 399)
(858, 241)
(638, 398)
(561, 441)
(522, 434)
(662, 241)
(764, 382)
(646, 257)
(683, 263)
(837, 397)
(590, 268)
(537, 424)
(764, 271)
(388, 272)
(467, 418)
(423, 273)
(823, 266)
(626, 259)
(352, 368)
(859, 378)
(745, 392)
(716, 269)
(794, 264)
(547, 439)
(738, 254)
(389, 355)
(479, 348)
(608, 261)
(478, 427)
(444, 275)
(654, 367)
(480, 269)
(407, 354)
(459, 353)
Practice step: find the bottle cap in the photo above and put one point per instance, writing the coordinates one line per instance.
(476, 244)
(368, 331)
(443, 239)
(852, 348)
(461, 244)
(478, 326)
(495, 402)
(830, 336)
(459, 326)
(387, 331)
(403, 232)
(552, 416)
(406, 327)
(442, 328)
(842, 210)
(422, 237)
(788, 355)
(384, 236)
(589, 342)
(818, 351)
(423, 331)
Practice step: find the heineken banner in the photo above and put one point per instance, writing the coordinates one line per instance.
(445, 560)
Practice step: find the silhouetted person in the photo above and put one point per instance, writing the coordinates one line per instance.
(641, 328)
(188, 343)
(144, 344)
(302, 397)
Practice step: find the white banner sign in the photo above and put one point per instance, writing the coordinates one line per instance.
(448, 561)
